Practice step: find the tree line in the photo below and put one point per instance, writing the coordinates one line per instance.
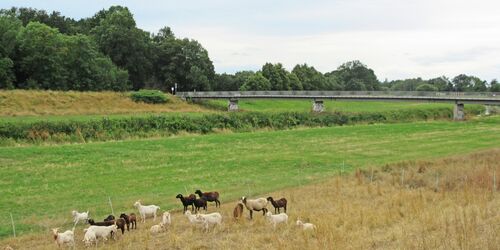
(40, 50)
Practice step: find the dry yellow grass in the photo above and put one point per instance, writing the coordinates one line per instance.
(356, 211)
(37, 103)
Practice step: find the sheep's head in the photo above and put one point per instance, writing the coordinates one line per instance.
(268, 214)
(244, 199)
(55, 231)
(269, 198)
(74, 212)
(179, 196)
(299, 223)
(137, 203)
(198, 192)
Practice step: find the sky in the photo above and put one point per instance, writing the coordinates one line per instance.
(398, 39)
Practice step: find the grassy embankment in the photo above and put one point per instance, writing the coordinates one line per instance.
(439, 204)
(41, 184)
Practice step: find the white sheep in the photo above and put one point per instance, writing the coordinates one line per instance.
(259, 204)
(192, 218)
(276, 218)
(146, 210)
(305, 226)
(67, 237)
(84, 216)
(166, 219)
(103, 231)
(157, 228)
(209, 219)
(89, 237)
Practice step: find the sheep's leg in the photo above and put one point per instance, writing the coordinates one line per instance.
(154, 216)
(251, 213)
(285, 209)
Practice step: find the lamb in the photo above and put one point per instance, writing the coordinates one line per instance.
(89, 237)
(146, 210)
(166, 219)
(110, 218)
(200, 203)
(276, 218)
(126, 219)
(157, 228)
(238, 211)
(84, 216)
(281, 203)
(259, 204)
(67, 237)
(120, 223)
(305, 226)
(209, 196)
(192, 218)
(102, 231)
(100, 223)
(133, 221)
(186, 201)
(209, 219)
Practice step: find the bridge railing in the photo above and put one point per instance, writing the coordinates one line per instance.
(236, 94)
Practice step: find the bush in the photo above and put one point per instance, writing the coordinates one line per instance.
(149, 96)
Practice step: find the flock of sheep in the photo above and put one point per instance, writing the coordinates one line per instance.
(109, 227)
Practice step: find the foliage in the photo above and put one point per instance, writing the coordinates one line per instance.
(354, 75)
(149, 96)
(256, 82)
(426, 87)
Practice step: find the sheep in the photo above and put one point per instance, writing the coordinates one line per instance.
(200, 203)
(209, 219)
(67, 237)
(209, 196)
(132, 218)
(305, 226)
(101, 223)
(276, 218)
(126, 219)
(120, 223)
(166, 219)
(238, 211)
(89, 237)
(102, 231)
(146, 210)
(187, 201)
(281, 203)
(84, 216)
(110, 218)
(259, 204)
(192, 218)
(157, 228)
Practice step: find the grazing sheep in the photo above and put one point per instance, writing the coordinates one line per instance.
(67, 237)
(89, 237)
(238, 211)
(102, 231)
(110, 218)
(120, 223)
(209, 219)
(192, 218)
(101, 223)
(166, 219)
(133, 221)
(84, 216)
(259, 204)
(209, 196)
(157, 228)
(146, 210)
(186, 201)
(305, 226)
(276, 218)
(281, 203)
(200, 203)
(126, 219)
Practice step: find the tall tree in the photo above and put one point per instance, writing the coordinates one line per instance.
(354, 75)
(464, 83)
(310, 78)
(277, 75)
(9, 29)
(256, 82)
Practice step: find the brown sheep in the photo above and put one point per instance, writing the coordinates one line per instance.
(238, 211)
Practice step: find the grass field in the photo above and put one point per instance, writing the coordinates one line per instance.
(41, 182)
(361, 210)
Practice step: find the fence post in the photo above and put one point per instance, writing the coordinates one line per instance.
(13, 225)
(402, 177)
(111, 205)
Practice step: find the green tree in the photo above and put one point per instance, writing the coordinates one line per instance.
(464, 83)
(441, 83)
(277, 76)
(225, 82)
(354, 75)
(9, 29)
(310, 78)
(494, 86)
(256, 82)
(295, 83)
(426, 87)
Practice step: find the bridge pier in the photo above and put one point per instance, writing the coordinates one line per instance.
(458, 112)
(232, 105)
(318, 106)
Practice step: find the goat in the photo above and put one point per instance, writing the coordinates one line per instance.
(102, 232)
(238, 211)
(281, 203)
(67, 237)
(276, 218)
(84, 216)
(157, 228)
(305, 226)
(166, 219)
(146, 210)
(89, 237)
(110, 218)
(120, 223)
(132, 218)
(200, 203)
(126, 219)
(187, 201)
(209, 196)
(209, 219)
(192, 218)
(259, 204)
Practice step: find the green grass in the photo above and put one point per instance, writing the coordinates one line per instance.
(49, 181)
(267, 105)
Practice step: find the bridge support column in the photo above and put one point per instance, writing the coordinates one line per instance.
(318, 106)
(232, 105)
(458, 112)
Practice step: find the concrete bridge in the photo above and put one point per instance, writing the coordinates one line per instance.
(458, 98)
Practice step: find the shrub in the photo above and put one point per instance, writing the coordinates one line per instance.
(149, 96)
